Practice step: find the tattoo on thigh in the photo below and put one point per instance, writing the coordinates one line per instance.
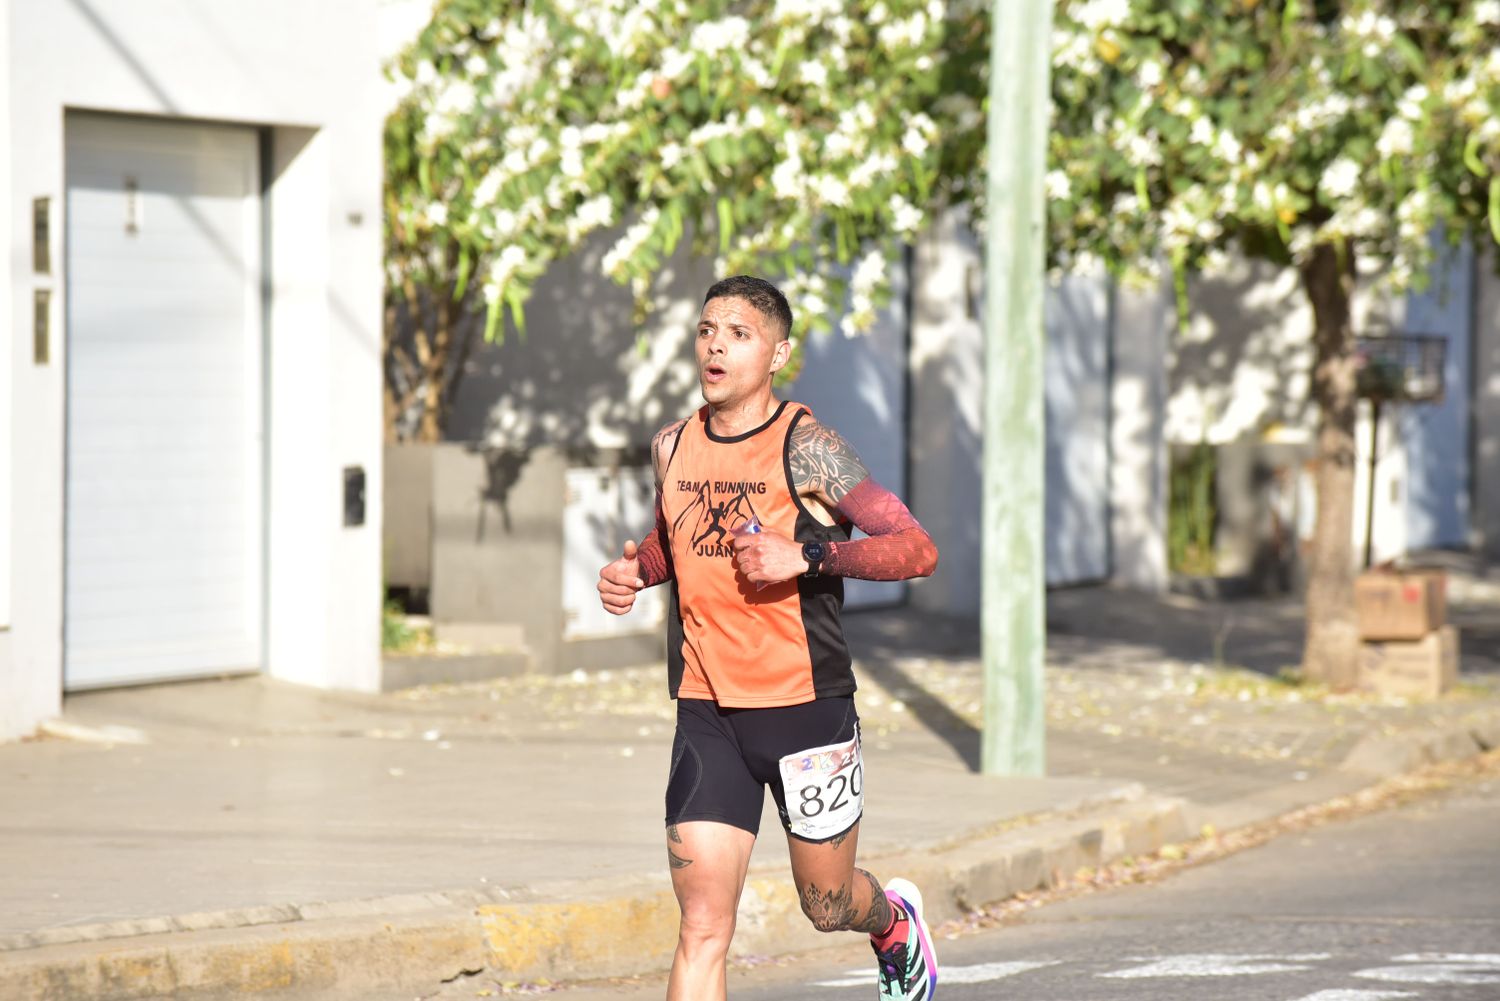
(878, 917)
(673, 835)
(839, 839)
(831, 910)
(677, 861)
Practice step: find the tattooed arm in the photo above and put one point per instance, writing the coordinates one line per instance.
(826, 469)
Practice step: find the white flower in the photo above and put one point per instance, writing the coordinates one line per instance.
(477, 65)
(832, 190)
(1395, 139)
(757, 72)
(504, 267)
(904, 34)
(627, 245)
(1099, 14)
(813, 73)
(879, 165)
(1228, 147)
(593, 214)
(1487, 12)
(906, 217)
(1057, 185)
(838, 145)
(1150, 74)
(1410, 106)
(787, 179)
(671, 155)
(436, 214)
(755, 118)
(488, 187)
(1341, 179)
(1142, 152)
(713, 37)
(572, 162)
(1202, 133)
(914, 143)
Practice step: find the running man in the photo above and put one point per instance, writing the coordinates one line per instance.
(756, 655)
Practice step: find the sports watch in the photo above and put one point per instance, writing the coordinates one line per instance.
(814, 553)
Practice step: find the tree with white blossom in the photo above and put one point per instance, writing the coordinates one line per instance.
(806, 139)
(802, 139)
(1310, 134)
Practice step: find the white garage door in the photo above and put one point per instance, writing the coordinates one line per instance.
(164, 554)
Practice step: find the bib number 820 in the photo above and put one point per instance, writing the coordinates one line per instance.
(840, 790)
(824, 789)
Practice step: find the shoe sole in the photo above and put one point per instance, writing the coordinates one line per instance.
(911, 902)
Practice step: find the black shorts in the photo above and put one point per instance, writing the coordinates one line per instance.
(723, 759)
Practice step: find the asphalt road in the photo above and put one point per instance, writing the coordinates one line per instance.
(1400, 904)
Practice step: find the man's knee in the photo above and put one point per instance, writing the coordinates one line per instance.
(705, 928)
(829, 910)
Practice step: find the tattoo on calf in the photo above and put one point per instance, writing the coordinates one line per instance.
(831, 910)
(823, 462)
(878, 917)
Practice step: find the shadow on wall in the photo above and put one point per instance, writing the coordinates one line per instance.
(1076, 416)
(1245, 362)
(578, 378)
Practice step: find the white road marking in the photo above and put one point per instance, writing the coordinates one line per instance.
(1483, 958)
(978, 974)
(1343, 994)
(1457, 972)
(1216, 965)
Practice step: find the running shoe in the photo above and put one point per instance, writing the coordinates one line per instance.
(908, 970)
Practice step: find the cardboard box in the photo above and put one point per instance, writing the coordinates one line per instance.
(1414, 669)
(1400, 605)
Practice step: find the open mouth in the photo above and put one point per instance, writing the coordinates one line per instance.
(714, 373)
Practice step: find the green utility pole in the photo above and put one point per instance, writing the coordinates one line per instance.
(1013, 584)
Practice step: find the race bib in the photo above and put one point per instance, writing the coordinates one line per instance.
(824, 789)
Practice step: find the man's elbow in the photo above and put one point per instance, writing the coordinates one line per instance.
(927, 557)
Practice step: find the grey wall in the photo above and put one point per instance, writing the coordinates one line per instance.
(1486, 450)
(1436, 436)
(579, 376)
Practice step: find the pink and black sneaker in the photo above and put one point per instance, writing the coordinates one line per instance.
(908, 966)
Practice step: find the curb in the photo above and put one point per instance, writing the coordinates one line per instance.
(1393, 754)
(607, 934)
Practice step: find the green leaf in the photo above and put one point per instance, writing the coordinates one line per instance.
(1471, 156)
(726, 225)
(1495, 208)
(492, 322)
(517, 310)
(465, 263)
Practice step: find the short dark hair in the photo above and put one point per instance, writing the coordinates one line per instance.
(765, 297)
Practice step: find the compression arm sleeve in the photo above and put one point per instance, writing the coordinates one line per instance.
(654, 554)
(897, 548)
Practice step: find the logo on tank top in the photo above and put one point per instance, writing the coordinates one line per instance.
(716, 508)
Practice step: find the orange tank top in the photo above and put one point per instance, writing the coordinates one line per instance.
(727, 641)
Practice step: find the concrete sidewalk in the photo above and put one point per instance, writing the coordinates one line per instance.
(255, 837)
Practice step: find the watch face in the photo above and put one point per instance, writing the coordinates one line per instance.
(813, 552)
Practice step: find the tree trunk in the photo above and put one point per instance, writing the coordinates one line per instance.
(1332, 649)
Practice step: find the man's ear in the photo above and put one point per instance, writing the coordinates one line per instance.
(782, 355)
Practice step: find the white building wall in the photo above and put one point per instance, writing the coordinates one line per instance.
(18, 713)
(309, 74)
(1242, 371)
